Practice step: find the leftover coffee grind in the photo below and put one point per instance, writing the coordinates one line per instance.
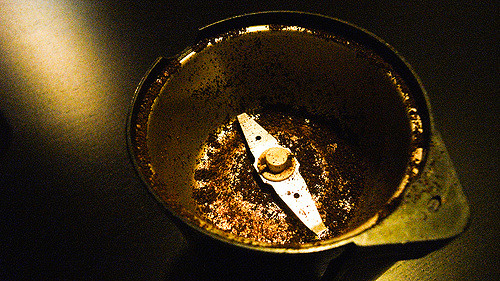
(230, 195)
(349, 118)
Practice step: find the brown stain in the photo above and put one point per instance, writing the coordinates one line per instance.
(227, 193)
(231, 197)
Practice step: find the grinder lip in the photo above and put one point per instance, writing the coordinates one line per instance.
(160, 70)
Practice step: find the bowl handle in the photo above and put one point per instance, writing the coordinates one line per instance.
(434, 207)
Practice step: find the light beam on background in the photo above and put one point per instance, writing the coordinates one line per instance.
(51, 49)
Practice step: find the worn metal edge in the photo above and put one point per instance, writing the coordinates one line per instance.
(433, 208)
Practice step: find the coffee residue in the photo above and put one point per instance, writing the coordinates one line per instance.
(230, 195)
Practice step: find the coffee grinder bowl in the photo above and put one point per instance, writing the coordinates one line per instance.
(347, 104)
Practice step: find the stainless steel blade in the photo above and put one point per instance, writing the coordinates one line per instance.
(292, 190)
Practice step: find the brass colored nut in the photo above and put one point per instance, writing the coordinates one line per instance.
(276, 164)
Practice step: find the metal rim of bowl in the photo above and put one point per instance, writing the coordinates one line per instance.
(287, 18)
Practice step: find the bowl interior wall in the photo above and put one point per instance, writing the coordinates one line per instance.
(329, 80)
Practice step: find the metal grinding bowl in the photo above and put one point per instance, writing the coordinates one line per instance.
(344, 101)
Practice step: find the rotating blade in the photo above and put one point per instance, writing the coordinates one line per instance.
(292, 189)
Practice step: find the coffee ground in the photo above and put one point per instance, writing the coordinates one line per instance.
(230, 195)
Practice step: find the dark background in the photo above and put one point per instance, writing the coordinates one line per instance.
(72, 206)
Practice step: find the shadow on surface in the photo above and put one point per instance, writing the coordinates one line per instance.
(368, 263)
(207, 259)
(5, 134)
(211, 261)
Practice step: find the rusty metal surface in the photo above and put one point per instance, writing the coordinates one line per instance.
(365, 95)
